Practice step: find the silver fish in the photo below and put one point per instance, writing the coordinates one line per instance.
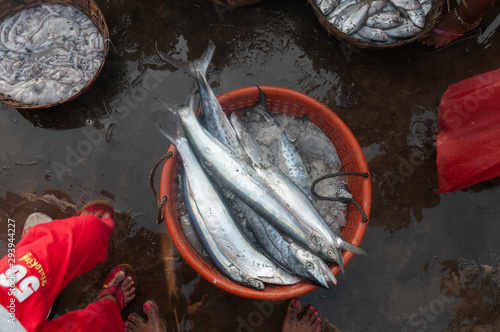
(372, 34)
(385, 20)
(405, 30)
(376, 6)
(293, 196)
(245, 183)
(286, 253)
(426, 6)
(346, 14)
(356, 19)
(219, 223)
(216, 120)
(295, 167)
(327, 6)
(333, 15)
(417, 16)
(406, 4)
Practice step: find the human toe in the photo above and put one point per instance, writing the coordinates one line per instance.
(310, 315)
(133, 322)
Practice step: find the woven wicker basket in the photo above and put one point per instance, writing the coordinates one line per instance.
(89, 7)
(235, 3)
(431, 20)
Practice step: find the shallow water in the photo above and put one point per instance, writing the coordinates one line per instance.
(426, 250)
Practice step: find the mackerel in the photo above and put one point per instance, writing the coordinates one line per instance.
(216, 120)
(293, 196)
(212, 217)
(295, 167)
(242, 180)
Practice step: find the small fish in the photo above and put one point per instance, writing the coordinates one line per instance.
(346, 14)
(356, 19)
(385, 20)
(376, 6)
(417, 16)
(426, 6)
(373, 34)
(327, 6)
(405, 30)
(406, 4)
(333, 15)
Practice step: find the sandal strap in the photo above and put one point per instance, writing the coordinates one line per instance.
(447, 34)
(115, 291)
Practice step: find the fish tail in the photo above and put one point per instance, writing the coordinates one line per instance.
(191, 68)
(261, 107)
(340, 259)
(352, 248)
(175, 111)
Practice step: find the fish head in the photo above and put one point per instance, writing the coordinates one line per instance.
(311, 267)
(330, 252)
(343, 191)
(252, 282)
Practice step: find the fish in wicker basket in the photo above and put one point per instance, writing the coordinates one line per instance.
(377, 23)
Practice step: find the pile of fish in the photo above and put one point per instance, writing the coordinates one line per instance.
(377, 21)
(49, 54)
(257, 223)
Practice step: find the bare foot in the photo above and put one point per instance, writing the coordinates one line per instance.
(450, 24)
(154, 322)
(100, 209)
(309, 321)
(127, 287)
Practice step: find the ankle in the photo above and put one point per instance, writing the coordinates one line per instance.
(109, 297)
(467, 17)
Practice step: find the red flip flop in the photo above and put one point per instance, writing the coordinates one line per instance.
(454, 37)
(97, 206)
(116, 290)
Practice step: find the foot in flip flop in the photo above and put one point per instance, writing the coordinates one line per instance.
(120, 289)
(154, 322)
(309, 321)
(450, 28)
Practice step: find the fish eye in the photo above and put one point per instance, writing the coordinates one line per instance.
(330, 253)
(309, 265)
(250, 280)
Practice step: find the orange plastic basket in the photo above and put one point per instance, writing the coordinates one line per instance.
(296, 104)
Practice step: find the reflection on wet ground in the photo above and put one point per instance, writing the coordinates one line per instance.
(434, 259)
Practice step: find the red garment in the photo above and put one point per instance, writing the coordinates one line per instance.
(47, 259)
(468, 143)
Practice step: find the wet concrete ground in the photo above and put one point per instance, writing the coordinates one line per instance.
(433, 258)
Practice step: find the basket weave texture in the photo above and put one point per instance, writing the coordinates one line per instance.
(235, 3)
(431, 20)
(89, 7)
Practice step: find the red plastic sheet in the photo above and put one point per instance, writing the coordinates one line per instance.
(468, 142)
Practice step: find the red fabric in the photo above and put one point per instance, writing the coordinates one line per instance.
(468, 143)
(51, 255)
(98, 316)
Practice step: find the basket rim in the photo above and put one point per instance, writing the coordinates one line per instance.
(94, 15)
(204, 268)
(431, 19)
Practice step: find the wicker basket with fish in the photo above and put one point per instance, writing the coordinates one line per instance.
(372, 24)
(52, 51)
